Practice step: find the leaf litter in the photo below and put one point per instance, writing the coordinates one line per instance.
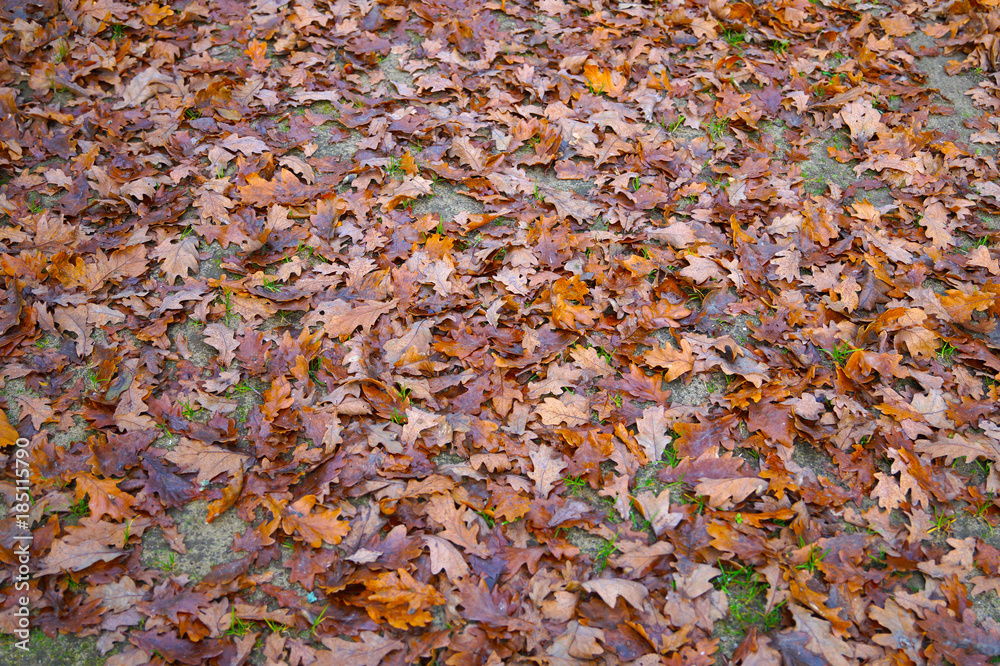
(466, 434)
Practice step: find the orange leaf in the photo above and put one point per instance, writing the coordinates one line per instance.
(105, 497)
(153, 13)
(399, 599)
(285, 188)
(8, 436)
(257, 50)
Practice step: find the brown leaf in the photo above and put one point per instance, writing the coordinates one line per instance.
(577, 642)
(397, 598)
(468, 154)
(247, 145)
(821, 640)
(656, 509)
(144, 85)
(701, 269)
(982, 257)
(411, 187)
(901, 626)
(285, 188)
(76, 556)
(8, 436)
(313, 528)
(105, 497)
(676, 361)
(935, 222)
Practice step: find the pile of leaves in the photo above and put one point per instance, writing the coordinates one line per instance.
(462, 436)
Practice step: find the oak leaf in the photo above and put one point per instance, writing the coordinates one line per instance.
(676, 361)
(445, 557)
(862, 119)
(982, 257)
(656, 509)
(128, 262)
(578, 642)
(371, 650)
(573, 410)
(397, 598)
(468, 153)
(727, 492)
(76, 556)
(248, 145)
(935, 224)
(284, 188)
(256, 50)
(144, 85)
(105, 497)
(959, 446)
(299, 518)
(547, 469)
(821, 640)
(887, 491)
(178, 259)
(411, 187)
(701, 269)
(557, 378)
(223, 339)
(341, 319)
(8, 436)
(902, 627)
(609, 589)
(441, 509)
(210, 461)
(652, 435)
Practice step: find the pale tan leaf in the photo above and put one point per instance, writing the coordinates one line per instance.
(341, 319)
(981, 256)
(935, 224)
(445, 557)
(652, 435)
(548, 465)
(208, 460)
(247, 145)
(609, 589)
(144, 85)
(701, 269)
(862, 119)
(577, 642)
(557, 378)
(573, 410)
(727, 492)
(822, 642)
(223, 339)
(177, 259)
(441, 509)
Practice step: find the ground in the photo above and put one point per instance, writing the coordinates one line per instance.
(768, 463)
